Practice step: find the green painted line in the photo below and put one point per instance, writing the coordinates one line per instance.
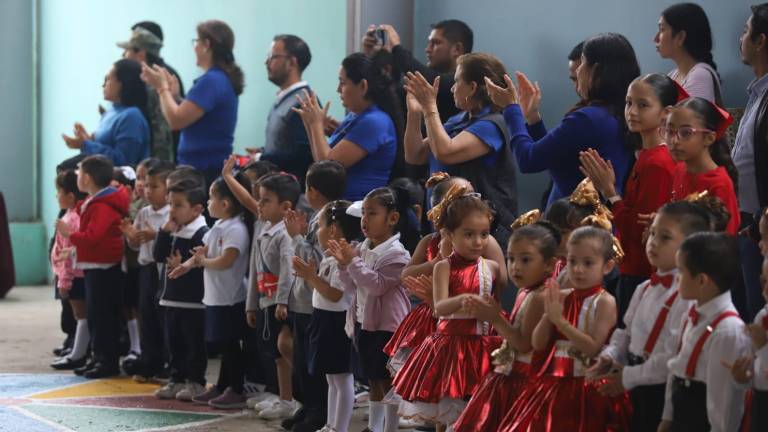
(92, 419)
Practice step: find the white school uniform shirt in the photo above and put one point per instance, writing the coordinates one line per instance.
(226, 287)
(639, 319)
(728, 342)
(329, 272)
(369, 257)
(147, 217)
(761, 357)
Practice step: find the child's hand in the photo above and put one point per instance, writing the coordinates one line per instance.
(173, 261)
(296, 223)
(484, 308)
(602, 366)
(281, 312)
(611, 384)
(62, 228)
(250, 317)
(147, 234)
(199, 255)
(342, 251)
(758, 335)
(65, 254)
(646, 219)
(179, 271)
(229, 166)
(421, 287)
(170, 226)
(303, 269)
(741, 369)
(553, 302)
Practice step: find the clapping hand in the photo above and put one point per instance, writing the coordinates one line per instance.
(530, 98)
(295, 223)
(420, 286)
(156, 76)
(342, 251)
(309, 109)
(62, 228)
(502, 96)
(741, 369)
(553, 301)
(484, 308)
(600, 171)
(173, 261)
(303, 269)
(424, 92)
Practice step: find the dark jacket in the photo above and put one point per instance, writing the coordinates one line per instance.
(186, 291)
(404, 62)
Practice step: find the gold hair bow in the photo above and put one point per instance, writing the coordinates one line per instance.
(437, 178)
(527, 218)
(437, 214)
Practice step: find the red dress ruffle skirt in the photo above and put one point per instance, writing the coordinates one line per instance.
(419, 324)
(493, 400)
(444, 371)
(555, 403)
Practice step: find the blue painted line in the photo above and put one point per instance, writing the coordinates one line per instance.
(12, 420)
(17, 385)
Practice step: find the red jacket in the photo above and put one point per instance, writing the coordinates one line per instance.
(99, 239)
(717, 182)
(649, 187)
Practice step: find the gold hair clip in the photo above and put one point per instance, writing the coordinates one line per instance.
(585, 194)
(697, 196)
(437, 214)
(527, 218)
(437, 178)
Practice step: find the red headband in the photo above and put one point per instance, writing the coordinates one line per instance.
(681, 93)
(725, 120)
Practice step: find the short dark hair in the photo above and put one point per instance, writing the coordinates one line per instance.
(161, 169)
(335, 212)
(192, 190)
(261, 167)
(575, 54)
(284, 185)
(456, 31)
(296, 47)
(151, 27)
(118, 175)
(187, 172)
(713, 254)
(759, 21)
(99, 168)
(327, 177)
(545, 234)
(67, 182)
(148, 163)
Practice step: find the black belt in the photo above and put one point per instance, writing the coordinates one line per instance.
(688, 385)
(634, 360)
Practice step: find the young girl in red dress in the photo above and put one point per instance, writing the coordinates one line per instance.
(531, 261)
(440, 375)
(694, 133)
(575, 326)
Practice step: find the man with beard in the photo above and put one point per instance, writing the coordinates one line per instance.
(286, 144)
(447, 41)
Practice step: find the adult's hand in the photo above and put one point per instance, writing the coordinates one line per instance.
(393, 39)
(155, 76)
(413, 105)
(309, 110)
(424, 92)
(502, 96)
(370, 44)
(530, 98)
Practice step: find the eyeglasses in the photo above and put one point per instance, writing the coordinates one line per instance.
(683, 133)
(274, 56)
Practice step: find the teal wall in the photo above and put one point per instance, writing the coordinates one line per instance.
(77, 48)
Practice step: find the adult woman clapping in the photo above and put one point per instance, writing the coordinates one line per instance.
(123, 132)
(208, 115)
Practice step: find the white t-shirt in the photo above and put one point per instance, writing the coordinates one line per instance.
(226, 287)
(147, 217)
(329, 272)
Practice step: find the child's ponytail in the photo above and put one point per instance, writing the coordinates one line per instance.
(397, 199)
(221, 188)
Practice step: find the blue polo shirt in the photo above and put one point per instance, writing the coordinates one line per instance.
(122, 136)
(485, 130)
(206, 143)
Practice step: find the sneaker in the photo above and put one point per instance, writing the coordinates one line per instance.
(409, 423)
(169, 390)
(260, 397)
(266, 403)
(361, 399)
(190, 390)
(251, 389)
(132, 356)
(207, 396)
(326, 428)
(280, 410)
(228, 400)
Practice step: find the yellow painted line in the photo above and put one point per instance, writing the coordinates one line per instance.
(105, 387)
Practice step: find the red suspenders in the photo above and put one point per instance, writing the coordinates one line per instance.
(659, 324)
(690, 369)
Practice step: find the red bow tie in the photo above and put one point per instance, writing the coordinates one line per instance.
(666, 281)
(693, 314)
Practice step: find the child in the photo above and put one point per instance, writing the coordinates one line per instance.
(325, 181)
(181, 298)
(649, 185)
(440, 375)
(379, 302)
(225, 261)
(141, 236)
(99, 249)
(695, 134)
(531, 260)
(329, 346)
(69, 280)
(575, 326)
(641, 350)
(701, 394)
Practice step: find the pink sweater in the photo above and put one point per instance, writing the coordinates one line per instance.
(64, 269)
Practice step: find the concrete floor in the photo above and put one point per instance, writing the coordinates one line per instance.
(29, 319)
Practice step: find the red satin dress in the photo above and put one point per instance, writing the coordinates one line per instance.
(417, 325)
(500, 388)
(559, 398)
(446, 369)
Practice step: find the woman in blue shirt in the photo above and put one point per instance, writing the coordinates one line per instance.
(608, 66)
(208, 115)
(123, 133)
(366, 140)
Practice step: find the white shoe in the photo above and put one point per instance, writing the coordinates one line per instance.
(408, 423)
(260, 397)
(280, 410)
(264, 404)
(169, 390)
(325, 428)
(190, 390)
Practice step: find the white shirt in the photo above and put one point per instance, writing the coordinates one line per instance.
(226, 287)
(329, 272)
(281, 94)
(761, 358)
(639, 319)
(146, 218)
(369, 257)
(700, 81)
(729, 341)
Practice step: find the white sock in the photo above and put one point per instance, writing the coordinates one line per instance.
(391, 420)
(345, 400)
(82, 337)
(133, 334)
(332, 396)
(376, 416)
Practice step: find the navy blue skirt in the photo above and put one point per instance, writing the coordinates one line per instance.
(224, 323)
(329, 346)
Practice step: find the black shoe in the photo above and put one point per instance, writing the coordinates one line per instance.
(100, 370)
(65, 352)
(312, 422)
(298, 417)
(82, 370)
(66, 345)
(66, 363)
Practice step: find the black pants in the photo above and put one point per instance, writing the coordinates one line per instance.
(689, 399)
(647, 407)
(103, 298)
(151, 317)
(758, 420)
(232, 372)
(259, 366)
(185, 333)
(310, 390)
(624, 291)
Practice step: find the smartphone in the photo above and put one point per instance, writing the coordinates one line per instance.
(381, 37)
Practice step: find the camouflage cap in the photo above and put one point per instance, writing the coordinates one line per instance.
(143, 39)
